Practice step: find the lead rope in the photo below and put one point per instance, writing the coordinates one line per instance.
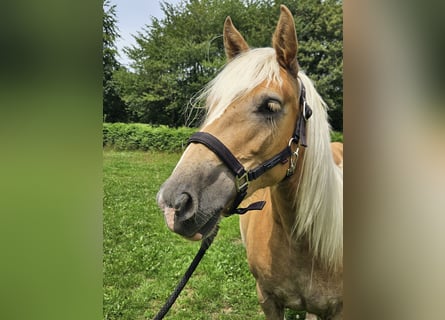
(205, 244)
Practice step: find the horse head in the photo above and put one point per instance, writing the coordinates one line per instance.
(252, 109)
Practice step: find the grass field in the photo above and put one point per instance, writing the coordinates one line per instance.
(143, 261)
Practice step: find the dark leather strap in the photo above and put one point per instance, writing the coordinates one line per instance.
(219, 149)
(259, 205)
(229, 159)
(282, 158)
(305, 114)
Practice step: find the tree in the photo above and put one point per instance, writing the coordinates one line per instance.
(113, 106)
(176, 56)
(319, 26)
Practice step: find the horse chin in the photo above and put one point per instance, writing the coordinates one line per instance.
(205, 231)
(209, 227)
(196, 237)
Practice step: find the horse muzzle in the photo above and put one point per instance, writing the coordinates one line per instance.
(193, 202)
(182, 220)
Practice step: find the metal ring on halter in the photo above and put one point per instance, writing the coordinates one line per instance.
(295, 153)
(293, 139)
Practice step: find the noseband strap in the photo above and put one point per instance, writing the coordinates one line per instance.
(243, 177)
(220, 150)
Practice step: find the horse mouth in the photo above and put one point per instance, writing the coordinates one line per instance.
(191, 229)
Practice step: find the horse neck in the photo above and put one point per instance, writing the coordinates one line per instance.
(310, 218)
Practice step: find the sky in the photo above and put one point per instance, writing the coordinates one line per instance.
(132, 16)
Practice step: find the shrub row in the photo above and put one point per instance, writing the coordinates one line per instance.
(138, 136)
(336, 136)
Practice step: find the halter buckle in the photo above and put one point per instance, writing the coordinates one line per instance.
(242, 182)
(293, 162)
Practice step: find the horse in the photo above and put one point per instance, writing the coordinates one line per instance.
(265, 145)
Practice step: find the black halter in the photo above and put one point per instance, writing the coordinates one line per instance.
(243, 177)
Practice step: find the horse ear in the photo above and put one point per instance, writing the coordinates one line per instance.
(285, 41)
(234, 43)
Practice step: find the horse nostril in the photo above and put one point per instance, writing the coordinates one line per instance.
(183, 207)
(181, 201)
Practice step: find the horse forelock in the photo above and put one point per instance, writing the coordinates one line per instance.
(319, 196)
(239, 77)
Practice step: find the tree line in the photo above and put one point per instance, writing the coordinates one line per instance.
(174, 57)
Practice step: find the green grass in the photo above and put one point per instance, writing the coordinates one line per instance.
(143, 261)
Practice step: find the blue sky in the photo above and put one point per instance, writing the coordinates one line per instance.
(132, 16)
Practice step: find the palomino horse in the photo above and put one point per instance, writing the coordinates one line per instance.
(252, 142)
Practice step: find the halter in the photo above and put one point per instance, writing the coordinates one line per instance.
(244, 177)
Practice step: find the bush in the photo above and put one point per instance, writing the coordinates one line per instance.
(336, 136)
(138, 136)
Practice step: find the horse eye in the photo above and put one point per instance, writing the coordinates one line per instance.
(270, 106)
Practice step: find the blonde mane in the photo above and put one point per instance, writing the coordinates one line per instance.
(319, 196)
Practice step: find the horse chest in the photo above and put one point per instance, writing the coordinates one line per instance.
(287, 274)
